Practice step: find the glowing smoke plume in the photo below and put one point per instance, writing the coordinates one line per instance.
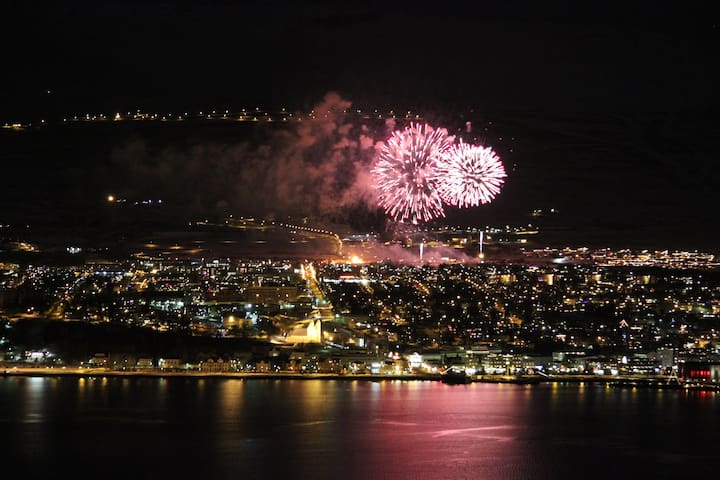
(315, 166)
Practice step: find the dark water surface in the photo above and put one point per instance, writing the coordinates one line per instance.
(231, 428)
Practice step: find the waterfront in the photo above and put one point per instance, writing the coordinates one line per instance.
(114, 427)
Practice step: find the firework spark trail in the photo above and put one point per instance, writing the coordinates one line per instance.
(470, 175)
(406, 173)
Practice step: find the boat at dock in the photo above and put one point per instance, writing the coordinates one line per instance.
(454, 376)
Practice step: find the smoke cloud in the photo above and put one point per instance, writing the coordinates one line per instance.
(398, 254)
(316, 167)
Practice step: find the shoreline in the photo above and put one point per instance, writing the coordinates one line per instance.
(659, 383)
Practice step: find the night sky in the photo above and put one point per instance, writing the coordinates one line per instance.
(612, 107)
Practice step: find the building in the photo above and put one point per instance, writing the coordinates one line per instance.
(700, 372)
(307, 331)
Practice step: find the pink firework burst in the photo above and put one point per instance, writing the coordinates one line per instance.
(471, 175)
(406, 174)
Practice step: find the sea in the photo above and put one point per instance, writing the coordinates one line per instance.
(98, 427)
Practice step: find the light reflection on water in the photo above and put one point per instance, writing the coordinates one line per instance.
(232, 428)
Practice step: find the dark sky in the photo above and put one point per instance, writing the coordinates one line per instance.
(500, 55)
(612, 105)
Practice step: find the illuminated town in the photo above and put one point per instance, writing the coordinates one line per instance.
(448, 299)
